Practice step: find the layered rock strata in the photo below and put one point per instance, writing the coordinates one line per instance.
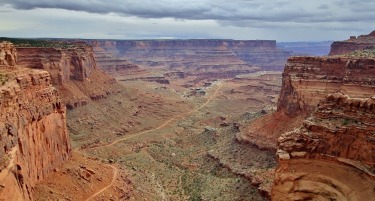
(307, 80)
(73, 71)
(354, 43)
(197, 54)
(338, 142)
(330, 155)
(109, 60)
(34, 138)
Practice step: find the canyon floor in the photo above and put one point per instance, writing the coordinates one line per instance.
(172, 141)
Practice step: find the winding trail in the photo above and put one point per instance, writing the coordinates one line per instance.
(115, 173)
(180, 116)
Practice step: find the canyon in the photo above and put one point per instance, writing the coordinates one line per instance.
(186, 120)
(137, 113)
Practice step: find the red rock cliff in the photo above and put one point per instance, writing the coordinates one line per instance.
(331, 155)
(73, 71)
(307, 80)
(354, 43)
(34, 138)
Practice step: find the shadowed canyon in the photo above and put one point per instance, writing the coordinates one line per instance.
(187, 119)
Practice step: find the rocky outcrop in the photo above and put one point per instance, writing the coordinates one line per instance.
(307, 80)
(341, 127)
(354, 43)
(34, 138)
(73, 70)
(339, 134)
(330, 156)
(8, 55)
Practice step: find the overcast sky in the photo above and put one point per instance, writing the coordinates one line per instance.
(283, 20)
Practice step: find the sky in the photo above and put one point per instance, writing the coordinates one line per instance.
(281, 20)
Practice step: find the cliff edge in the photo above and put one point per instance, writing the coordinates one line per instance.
(72, 66)
(331, 157)
(329, 154)
(34, 138)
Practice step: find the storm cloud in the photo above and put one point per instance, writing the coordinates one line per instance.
(328, 16)
(259, 10)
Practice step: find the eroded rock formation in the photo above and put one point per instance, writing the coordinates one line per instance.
(203, 56)
(354, 43)
(338, 144)
(34, 138)
(8, 55)
(73, 70)
(307, 80)
(330, 156)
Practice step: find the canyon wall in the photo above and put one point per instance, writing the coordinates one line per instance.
(109, 60)
(329, 155)
(34, 138)
(73, 70)
(354, 43)
(308, 80)
(197, 55)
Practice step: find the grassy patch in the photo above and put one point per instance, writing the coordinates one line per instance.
(39, 43)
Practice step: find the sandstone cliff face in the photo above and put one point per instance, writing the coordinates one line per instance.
(200, 55)
(331, 156)
(338, 144)
(354, 43)
(341, 127)
(307, 80)
(73, 72)
(34, 138)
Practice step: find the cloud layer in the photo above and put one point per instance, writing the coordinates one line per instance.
(276, 15)
(259, 10)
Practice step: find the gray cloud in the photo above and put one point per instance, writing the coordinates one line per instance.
(285, 20)
(260, 10)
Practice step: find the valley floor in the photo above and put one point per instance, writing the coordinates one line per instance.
(159, 142)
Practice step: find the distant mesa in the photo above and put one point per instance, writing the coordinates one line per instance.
(354, 43)
(195, 53)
